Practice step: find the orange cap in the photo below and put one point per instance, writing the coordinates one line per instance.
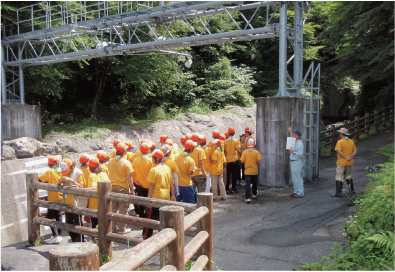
(222, 137)
(216, 134)
(226, 134)
(153, 144)
(117, 141)
(53, 160)
(121, 147)
(144, 147)
(241, 134)
(169, 142)
(195, 137)
(68, 162)
(101, 155)
(188, 136)
(129, 144)
(249, 130)
(231, 130)
(163, 137)
(251, 142)
(84, 158)
(203, 140)
(217, 142)
(65, 166)
(183, 139)
(94, 162)
(189, 145)
(158, 153)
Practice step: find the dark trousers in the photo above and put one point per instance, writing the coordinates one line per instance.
(232, 168)
(142, 209)
(243, 177)
(75, 219)
(153, 213)
(57, 215)
(251, 179)
(94, 222)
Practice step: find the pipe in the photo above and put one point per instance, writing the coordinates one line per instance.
(282, 87)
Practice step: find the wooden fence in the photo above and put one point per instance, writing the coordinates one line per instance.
(358, 127)
(170, 240)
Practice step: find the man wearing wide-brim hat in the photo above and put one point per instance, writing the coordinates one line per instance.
(346, 150)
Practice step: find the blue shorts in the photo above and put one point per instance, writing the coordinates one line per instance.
(187, 193)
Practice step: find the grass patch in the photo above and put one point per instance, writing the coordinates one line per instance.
(388, 151)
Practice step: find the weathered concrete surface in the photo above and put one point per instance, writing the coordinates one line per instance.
(20, 121)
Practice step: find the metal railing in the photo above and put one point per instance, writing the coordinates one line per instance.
(357, 127)
(169, 241)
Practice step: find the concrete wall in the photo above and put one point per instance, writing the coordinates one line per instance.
(20, 121)
(274, 116)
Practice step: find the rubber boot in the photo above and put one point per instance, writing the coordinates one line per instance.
(350, 186)
(338, 189)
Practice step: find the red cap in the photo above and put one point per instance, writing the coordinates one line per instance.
(144, 147)
(101, 155)
(117, 141)
(67, 162)
(121, 147)
(189, 145)
(129, 144)
(94, 162)
(231, 130)
(183, 139)
(203, 140)
(248, 129)
(158, 153)
(84, 158)
(163, 137)
(195, 137)
(153, 144)
(216, 134)
(226, 134)
(222, 137)
(169, 142)
(53, 160)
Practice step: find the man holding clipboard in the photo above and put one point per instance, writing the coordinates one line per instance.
(295, 146)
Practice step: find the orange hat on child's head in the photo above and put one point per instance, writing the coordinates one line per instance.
(188, 136)
(249, 130)
(217, 142)
(153, 144)
(157, 153)
(183, 139)
(53, 160)
(84, 158)
(169, 142)
(203, 140)
(144, 147)
(226, 134)
(101, 155)
(121, 147)
(163, 137)
(222, 137)
(94, 162)
(195, 137)
(189, 144)
(65, 166)
(241, 134)
(216, 134)
(251, 142)
(129, 144)
(231, 130)
(117, 141)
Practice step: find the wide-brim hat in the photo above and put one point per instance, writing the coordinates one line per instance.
(343, 131)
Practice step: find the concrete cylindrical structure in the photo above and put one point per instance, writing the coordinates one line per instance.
(75, 256)
(274, 116)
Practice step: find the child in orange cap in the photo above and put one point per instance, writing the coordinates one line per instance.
(52, 176)
(248, 132)
(112, 153)
(232, 151)
(199, 177)
(103, 159)
(217, 168)
(73, 177)
(95, 176)
(243, 146)
(121, 180)
(169, 160)
(161, 186)
(84, 160)
(251, 157)
(176, 149)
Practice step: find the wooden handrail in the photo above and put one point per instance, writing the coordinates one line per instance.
(65, 189)
(194, 217)
(200, 263)
(65, 208)
(123, 239)
(65, 226)
(194, 245)
(142, 252)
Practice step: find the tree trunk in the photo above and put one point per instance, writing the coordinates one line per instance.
(100, 88)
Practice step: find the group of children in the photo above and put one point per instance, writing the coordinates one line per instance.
(167, 172)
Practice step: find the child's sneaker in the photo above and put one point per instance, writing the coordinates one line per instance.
(254, 196)
(243, 183)
(248, 200)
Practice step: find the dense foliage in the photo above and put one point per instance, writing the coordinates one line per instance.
(370, 232)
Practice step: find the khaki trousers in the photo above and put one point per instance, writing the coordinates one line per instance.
(122, 207)
(343, 171)
(215, 182)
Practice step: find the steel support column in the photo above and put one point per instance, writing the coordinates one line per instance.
(21, 78)
(3, 79)
(282, 89)
(298, 46)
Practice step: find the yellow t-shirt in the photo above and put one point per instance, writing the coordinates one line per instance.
(70, 197)
(94, 178)
(104, 169)
(112, 154)
(119, 170)
(243, 146)
(346, 147)
(230, 150)
(206, 161)
(160, 175)
(129, 156)
(197, 155)
(135, 155)
(172, 165)
(250, 160)
(217, 168)
(51, 176)
(185, 164)
(142, 168)
(175, 150)
(86, 172)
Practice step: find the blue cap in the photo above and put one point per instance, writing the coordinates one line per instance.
(296, 131)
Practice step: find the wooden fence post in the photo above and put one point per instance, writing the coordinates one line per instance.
(173, 254)
(105, 226)
(74, 257)
(33, 229)
(356, 127)
(376, 120)
(206, 223)
(384, 116)
(367, 121)
(391, 117)
(333, 131)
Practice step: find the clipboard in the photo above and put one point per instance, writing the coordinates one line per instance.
(290, 142)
